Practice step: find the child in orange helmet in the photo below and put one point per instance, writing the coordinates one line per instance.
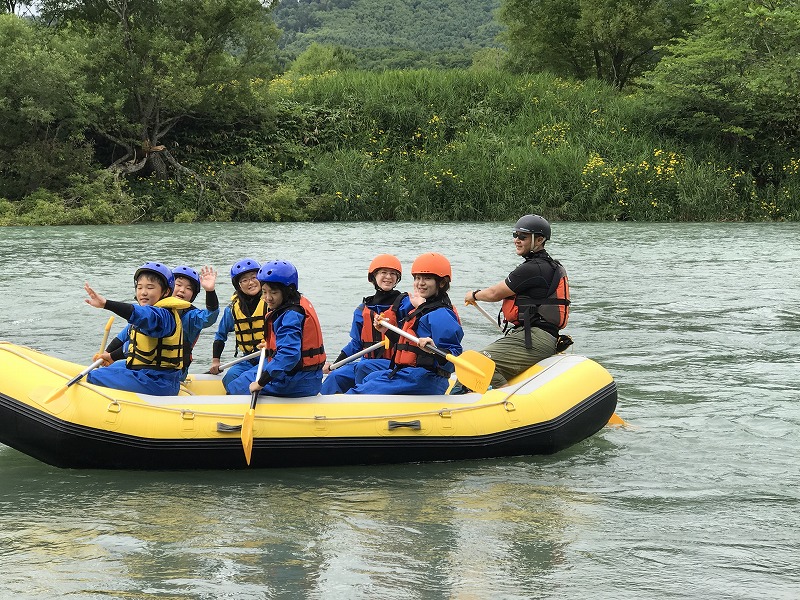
(413, 369)
(384, 272)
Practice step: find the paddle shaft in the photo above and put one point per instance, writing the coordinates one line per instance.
(91, 367)
(83, 373)
(351, 358)
(60, 391)
(487, 315)
(413, 338)
(105, 334)
(236, 361)
(254, 399)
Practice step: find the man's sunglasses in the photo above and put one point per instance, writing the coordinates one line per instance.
(520, 236)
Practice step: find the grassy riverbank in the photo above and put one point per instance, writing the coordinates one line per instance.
(430, 145)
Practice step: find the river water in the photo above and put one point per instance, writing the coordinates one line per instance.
(699, 497)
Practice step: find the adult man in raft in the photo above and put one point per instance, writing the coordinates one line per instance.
(535, 307)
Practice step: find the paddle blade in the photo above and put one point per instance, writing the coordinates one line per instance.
(473, 369)
(247, 433)
(616, 420)
(56, 394)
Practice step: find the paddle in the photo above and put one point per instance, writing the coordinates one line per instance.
(250, 415)
(105, 333)
(473, 369)
(486, 314)
(384, 343)
(617, 420)
(236, 361)
(83, 373)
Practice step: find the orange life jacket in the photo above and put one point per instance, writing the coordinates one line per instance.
(312, 350)
(370, 335)
(521, 309)
(406, 352)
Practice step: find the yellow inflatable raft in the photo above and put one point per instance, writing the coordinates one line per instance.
(553, 405)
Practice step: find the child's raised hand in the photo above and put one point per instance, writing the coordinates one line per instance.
(94, 298)
(415, 299)
(208, 278)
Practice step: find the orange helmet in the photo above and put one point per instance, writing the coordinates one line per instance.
(384, 261)
(432, 263)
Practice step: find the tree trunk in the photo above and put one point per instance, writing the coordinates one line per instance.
(158, 165)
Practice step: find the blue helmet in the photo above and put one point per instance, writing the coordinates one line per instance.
(242, 266)
(160, 270)
(191, 275)
(278, 271)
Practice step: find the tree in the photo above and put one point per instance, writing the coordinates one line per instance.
(156, 63)
(607, 39)
(44, 108)
(317, 59)
(736, 79)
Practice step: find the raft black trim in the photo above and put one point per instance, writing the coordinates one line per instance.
(64, 444)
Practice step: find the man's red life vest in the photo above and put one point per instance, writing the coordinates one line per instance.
(521, 309)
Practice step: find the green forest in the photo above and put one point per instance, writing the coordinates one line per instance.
(122, 111)
(389, 34)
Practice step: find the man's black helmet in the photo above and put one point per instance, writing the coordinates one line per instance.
(533, 224)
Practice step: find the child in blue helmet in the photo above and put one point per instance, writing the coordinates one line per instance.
(155, 354)
(244, 317)
(188, 283)
(292, 337)
(384, 272)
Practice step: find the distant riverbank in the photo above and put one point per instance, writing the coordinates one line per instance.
(428, 146)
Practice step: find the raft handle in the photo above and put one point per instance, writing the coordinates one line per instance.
(225, 428)
(410, 424)
(117, 407)
(509, 406)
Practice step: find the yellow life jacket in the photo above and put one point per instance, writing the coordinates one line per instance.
(249, 328)
(164, 354)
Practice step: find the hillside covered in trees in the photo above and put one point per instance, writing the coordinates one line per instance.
(194, 110)
(391, 33)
